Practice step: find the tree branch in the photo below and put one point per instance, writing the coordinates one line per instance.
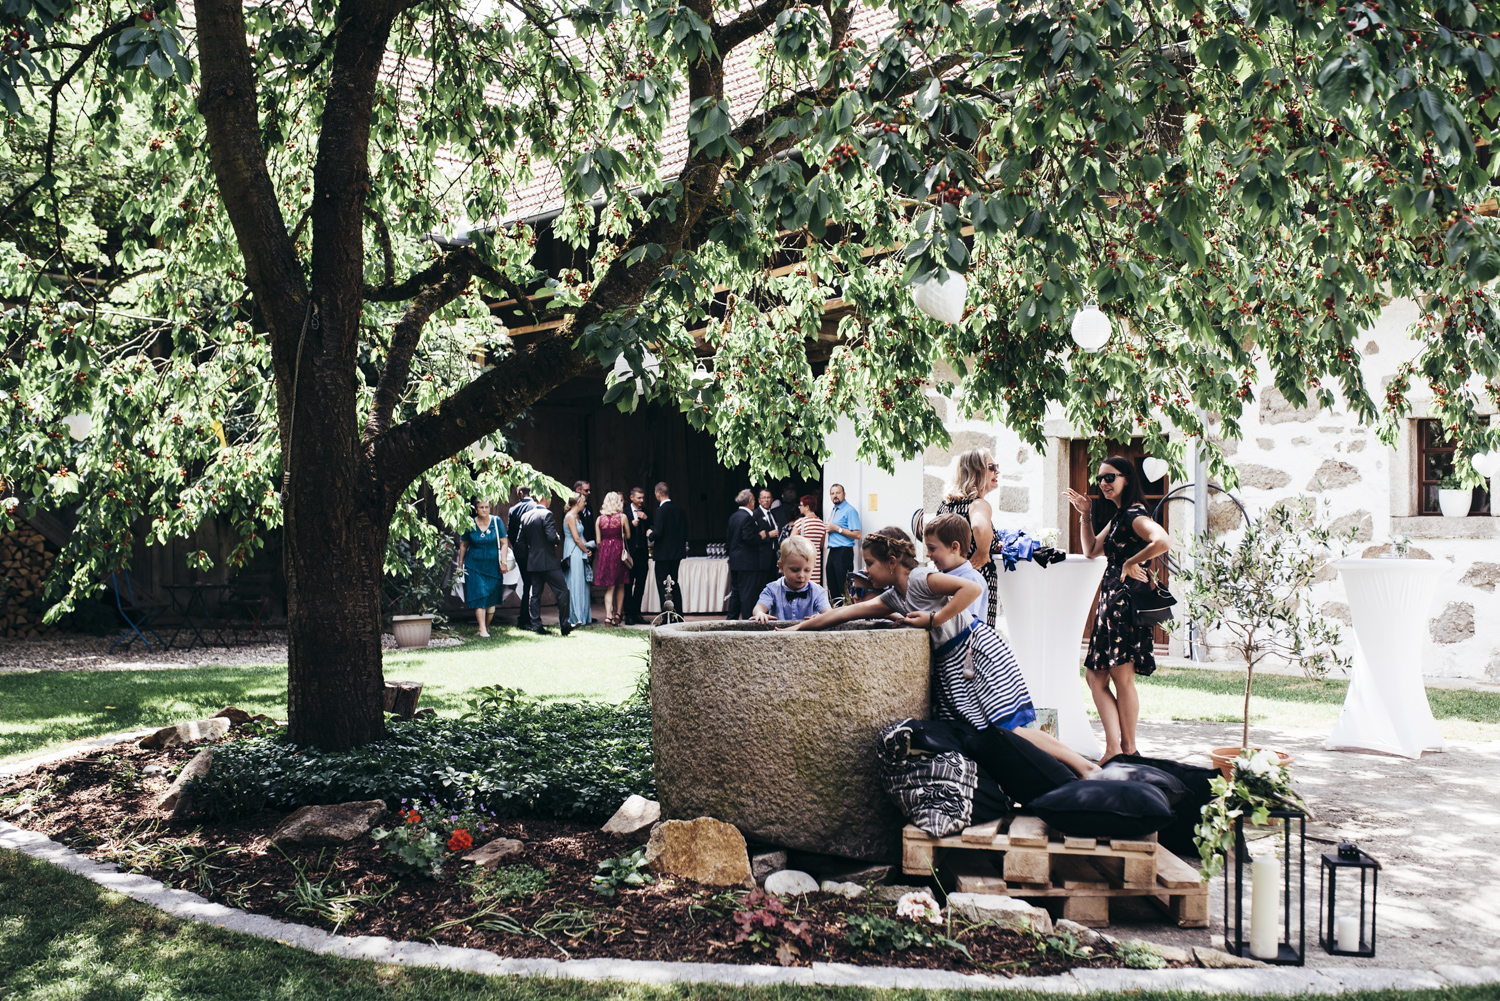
(412, 286)
(749, 24)
(501, 280)
(384, 236)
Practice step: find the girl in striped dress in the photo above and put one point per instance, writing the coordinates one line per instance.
(975, 678)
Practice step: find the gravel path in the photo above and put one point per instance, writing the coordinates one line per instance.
(89, 653)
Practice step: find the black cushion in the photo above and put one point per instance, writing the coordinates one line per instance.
(1129, 771)
(1095, 809)
(1023, 770)
(1187, 813)
(990, 801)
(937, 736)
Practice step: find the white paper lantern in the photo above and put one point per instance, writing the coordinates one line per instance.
(1155, 468)
(943, 298)
(649, 362)
(482, 449)
(1091, 328)
(79, 426)
(1486, 464)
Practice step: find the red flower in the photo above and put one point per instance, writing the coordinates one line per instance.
(414, 817)
(460, 842)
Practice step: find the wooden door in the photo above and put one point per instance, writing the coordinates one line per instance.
(1081, 478)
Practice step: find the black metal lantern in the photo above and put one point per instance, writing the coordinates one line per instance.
(1293, 853)
(1348, 858)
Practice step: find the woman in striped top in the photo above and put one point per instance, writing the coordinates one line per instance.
(813, 529)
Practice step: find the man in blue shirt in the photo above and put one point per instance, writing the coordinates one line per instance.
(843, 533)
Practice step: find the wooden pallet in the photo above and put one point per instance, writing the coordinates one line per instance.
(1037, 862)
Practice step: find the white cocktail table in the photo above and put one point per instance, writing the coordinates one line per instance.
(1386, 707)
(1046, 609)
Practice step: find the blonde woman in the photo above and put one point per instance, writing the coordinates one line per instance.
(975, 473)
(611, 532)
(576, 551)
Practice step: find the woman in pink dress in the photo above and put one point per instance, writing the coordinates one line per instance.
(610, 571)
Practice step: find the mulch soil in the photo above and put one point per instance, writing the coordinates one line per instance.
(101, 804)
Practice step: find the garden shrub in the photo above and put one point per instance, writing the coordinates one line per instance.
(512, 756)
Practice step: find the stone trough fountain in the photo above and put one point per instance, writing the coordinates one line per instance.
(775, 732)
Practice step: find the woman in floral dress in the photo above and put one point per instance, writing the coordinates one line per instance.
(1120, 648)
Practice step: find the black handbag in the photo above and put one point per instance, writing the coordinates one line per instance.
(1150, 601)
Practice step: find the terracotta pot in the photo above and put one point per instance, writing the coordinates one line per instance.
(1223, 758)
(412, 630)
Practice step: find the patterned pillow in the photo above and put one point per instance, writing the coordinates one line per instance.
(934, 791)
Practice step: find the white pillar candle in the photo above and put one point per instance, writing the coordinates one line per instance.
(1346, 934)
(1265, 902)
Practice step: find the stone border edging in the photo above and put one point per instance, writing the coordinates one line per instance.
(191, 907)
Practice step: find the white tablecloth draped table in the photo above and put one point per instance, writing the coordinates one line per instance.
(1046, 609)
(705, 580)
(1386, 707)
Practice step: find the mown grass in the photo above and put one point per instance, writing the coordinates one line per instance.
(43, 708)
(62, 938)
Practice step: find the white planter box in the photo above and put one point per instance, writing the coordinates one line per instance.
(1455, 503)
(412, 630)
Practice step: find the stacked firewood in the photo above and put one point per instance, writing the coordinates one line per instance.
(24, 564)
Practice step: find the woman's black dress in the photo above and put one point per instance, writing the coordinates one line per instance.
(1117, 639)
(987, 571)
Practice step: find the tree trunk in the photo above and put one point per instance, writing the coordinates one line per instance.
(1245, 733)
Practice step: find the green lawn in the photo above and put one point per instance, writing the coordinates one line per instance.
(1280, 700)
(62, 938)
(42, 708)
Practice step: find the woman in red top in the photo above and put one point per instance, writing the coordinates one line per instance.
(813, 529)
(610, 572)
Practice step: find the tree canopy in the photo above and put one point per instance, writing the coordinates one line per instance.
(214, 213)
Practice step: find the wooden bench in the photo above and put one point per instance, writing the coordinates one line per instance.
(1036, 861)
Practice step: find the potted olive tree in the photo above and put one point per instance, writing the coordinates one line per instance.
(1257, 592)
(413, 590)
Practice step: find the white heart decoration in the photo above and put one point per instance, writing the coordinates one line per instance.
(1486, 464)
(79, 426)
(1155, 468)
(943, 299)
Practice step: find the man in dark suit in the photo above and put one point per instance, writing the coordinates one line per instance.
(770, 549)
(640, 524)
(669, 530)
(586, 517)
(513, 529)
(540, 539)
(745, 541)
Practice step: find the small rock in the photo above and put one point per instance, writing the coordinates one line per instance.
(891, 894)
(490, 854)
(236, 717)
(176, 800)
(1217, 959)
(635, 813)
(850, 890)
(1170, 953)
(863, 874)
(426, 712)
(150, 770)
(765, 863)
(705, 850)
(1084, 934)
(790, 882)
(1001, 910)
(335, 824)
(187, 733)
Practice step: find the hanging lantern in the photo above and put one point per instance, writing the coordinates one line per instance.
(1091, 328)
(1155, 468)
(700, 374)
(78, 425)
(943, 298)
(1347, 934)
(1272, 910)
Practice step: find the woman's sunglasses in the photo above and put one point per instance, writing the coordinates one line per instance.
(994, 467)
(1108, 477)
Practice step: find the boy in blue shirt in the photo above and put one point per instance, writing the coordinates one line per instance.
(794, 595)
(948, 537)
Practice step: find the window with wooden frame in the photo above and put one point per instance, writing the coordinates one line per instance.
(1435, 461)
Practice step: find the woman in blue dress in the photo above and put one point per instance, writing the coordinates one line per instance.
(483, 551)
(576, 555)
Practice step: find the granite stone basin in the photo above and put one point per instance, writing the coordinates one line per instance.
(775, 732)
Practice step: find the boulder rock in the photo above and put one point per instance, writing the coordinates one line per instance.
(765, 863)
(236, 716)
(1484, 576)
(176, 799)
(187, 733)
(1275, 408)
(705, 850)
(1455, 625)
(1009, 911)
(861, 874)
(1084, 934)
(850, 890)
(1332, 475)
(1262, 477)
(1218, 959)
(1171, 953)
(790, 883)
(891, 894)
(336, 824)
(490, 853)
(775, 732)
(635, 813)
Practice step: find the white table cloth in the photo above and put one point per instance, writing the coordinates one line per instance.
(1046, 609)
(1386, 708)
(705, 581)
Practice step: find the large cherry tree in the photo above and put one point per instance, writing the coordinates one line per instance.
(216, 219)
